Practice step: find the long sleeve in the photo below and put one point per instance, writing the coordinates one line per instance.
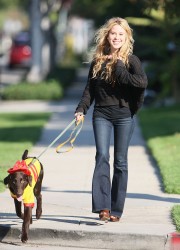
(135, 76)
(87, 96)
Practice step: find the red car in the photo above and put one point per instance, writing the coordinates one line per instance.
(20, 52)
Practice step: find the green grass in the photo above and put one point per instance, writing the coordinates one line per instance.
(161, 130)
(176, 216)
(17, 133)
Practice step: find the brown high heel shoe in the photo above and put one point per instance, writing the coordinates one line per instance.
(104, 215)
(114, 218)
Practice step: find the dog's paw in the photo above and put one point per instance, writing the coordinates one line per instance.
(24, 238)
(38, 213)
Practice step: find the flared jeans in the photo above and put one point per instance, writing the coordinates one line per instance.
(107, 194)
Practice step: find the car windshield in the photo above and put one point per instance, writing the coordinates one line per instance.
(22, 39)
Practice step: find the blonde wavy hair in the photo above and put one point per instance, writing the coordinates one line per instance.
(102, 49)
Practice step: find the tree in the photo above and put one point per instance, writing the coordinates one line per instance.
(44, 17)
(171, 20)
(100, 11)
(162, 17)
(12, 3)
(156, 30)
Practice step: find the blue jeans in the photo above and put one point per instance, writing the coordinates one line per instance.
(104, 195)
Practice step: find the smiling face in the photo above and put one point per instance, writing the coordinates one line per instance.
(116, 37)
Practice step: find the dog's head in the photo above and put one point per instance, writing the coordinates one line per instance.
(19, 177)
(17, 182)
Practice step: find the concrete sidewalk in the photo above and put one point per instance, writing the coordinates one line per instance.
(67, 219)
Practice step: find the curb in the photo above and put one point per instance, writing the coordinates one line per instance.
(80, 238)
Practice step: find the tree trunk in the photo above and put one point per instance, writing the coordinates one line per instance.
(176, 88)
(35, 73)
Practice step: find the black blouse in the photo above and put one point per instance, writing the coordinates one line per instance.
(128, 90)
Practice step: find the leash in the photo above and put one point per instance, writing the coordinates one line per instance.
(71, 139)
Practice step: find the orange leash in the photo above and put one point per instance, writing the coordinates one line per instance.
(72, 137)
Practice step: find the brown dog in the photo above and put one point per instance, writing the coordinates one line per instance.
(24, 182)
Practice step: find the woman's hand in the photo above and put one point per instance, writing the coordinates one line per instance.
(79, 116)
(109, 57)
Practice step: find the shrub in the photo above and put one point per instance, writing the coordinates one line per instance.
(65, 75)
(47, 90)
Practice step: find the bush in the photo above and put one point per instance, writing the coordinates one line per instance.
(65, 75)
(47, 90)
(52, 88)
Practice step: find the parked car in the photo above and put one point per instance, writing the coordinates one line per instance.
(21, 52)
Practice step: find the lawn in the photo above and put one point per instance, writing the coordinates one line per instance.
(176, 216)
(17, 133)
(161, 130)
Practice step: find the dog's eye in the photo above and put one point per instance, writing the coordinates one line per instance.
(22, 181)
(14, 182)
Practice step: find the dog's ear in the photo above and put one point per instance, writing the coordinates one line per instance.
(29, 180)
(6, 180)
(25, 154)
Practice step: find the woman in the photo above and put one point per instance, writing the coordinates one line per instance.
(116, 82)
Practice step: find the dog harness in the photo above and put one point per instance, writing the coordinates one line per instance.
(28, 168)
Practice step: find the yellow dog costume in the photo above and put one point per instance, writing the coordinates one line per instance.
(29, 167)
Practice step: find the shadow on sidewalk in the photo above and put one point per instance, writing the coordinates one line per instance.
(78, 220)
(141, 196)
(152, 197)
